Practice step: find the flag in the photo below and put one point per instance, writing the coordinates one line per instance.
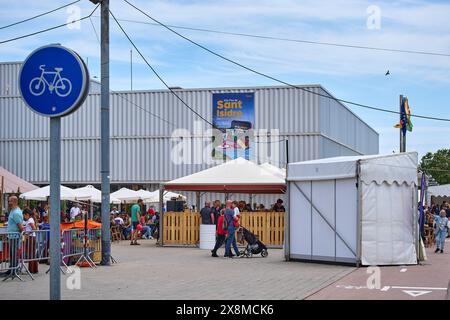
(405, 118)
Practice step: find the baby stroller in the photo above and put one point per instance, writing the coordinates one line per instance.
(254, 246)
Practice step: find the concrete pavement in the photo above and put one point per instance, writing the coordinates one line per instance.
(151, 272)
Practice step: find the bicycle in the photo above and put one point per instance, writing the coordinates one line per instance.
(62, 86)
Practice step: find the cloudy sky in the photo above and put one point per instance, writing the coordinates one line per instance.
(351, 74)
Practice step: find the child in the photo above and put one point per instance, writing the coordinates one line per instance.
(30, 239)
(440, 230)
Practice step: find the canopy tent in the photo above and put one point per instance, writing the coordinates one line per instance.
(439, 193)
(358, 209)
(13, 184)
(237, 176)
(168, 195)
(94, 194)
(126, 195)
(279, 172)
(43, 193)
(144, 194)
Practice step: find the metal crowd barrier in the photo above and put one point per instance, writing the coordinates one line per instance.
(10, 252)
(35, 248)
(19, 249)
(71, 244)
(74, 245)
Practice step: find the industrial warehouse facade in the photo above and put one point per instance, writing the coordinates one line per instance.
(146, 126)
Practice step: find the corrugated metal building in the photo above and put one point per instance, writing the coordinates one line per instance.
(141, 143)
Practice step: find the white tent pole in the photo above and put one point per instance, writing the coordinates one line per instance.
(358, 215)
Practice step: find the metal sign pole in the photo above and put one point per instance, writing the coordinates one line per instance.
(55, 189)
(104, 115)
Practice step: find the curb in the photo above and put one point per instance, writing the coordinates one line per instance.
(448, 291)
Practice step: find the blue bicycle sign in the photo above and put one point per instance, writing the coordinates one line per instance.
(53, 81)
(62, 86)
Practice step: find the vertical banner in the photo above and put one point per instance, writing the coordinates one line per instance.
(234, 122)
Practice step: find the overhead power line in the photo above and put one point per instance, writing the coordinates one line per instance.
(39, 15)
(278, 80)
(156, 73)
(124, 97)
(49, 29)
(321, 43)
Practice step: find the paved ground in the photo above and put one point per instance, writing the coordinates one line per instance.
(421, 282)
(151, 272)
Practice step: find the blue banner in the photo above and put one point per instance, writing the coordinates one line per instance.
(234, 119)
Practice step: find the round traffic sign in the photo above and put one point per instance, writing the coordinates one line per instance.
(53, 81)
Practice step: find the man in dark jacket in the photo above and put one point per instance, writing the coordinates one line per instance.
(207, 214)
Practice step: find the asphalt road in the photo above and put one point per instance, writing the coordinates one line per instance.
(428, 281)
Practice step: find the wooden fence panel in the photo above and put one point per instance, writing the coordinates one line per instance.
(183, 228)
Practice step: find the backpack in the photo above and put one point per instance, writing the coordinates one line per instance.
(224, 223)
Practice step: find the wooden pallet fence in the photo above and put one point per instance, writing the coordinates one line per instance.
(183, 228)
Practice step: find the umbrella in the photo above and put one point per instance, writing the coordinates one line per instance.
(126, 195)
(95, 194)
(168, 195)
(43, 193)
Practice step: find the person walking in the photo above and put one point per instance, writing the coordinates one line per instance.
(135, 217)
(221, 233)
(440, 230)
(229, 218)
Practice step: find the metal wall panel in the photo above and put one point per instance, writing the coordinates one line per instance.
(141, 143)
(339, 123)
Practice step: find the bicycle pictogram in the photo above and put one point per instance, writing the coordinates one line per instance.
(62, 86)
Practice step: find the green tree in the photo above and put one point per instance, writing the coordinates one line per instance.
(438, 165)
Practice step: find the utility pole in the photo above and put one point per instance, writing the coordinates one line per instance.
(104, 116)
(131, 68)
(402, 136)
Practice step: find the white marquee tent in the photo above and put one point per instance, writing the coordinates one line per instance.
(95, 195)
(357, 209)
(442, 191)
(43, 193)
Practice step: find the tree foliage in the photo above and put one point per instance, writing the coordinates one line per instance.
(437, 165)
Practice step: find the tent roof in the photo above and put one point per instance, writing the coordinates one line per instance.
(279, 172)
(125, 194)
(440, 191)
(168, 195)
(41, 194)
(237, 175)
(94, 194)
(400, 167)
(13, 183)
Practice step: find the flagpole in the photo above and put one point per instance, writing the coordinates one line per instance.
(402, 136)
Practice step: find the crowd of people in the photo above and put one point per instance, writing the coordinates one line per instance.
(139, 224)
(437, 217)
(27, 220)
(226, 218)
